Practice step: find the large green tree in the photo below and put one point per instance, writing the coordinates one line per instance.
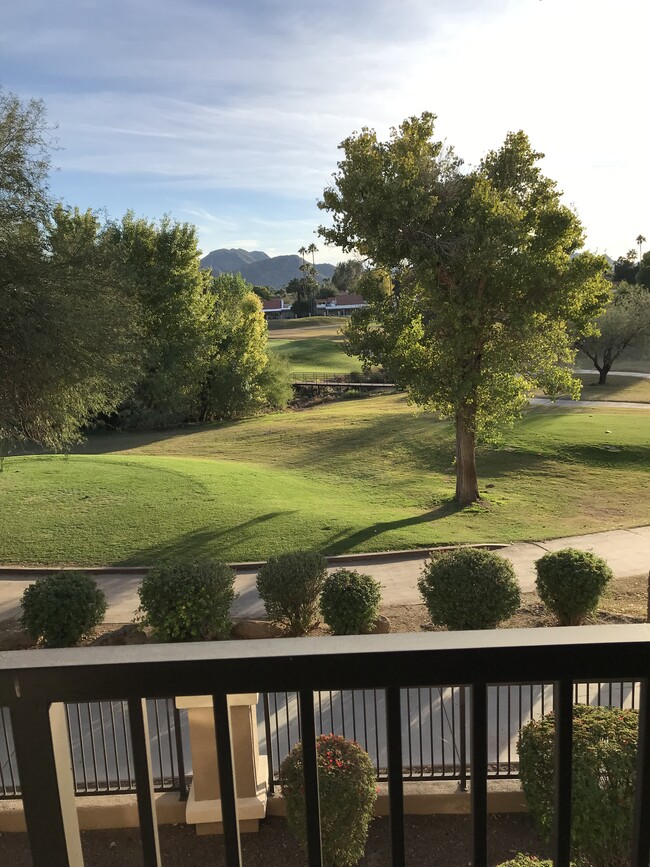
(624, 325)
(68, 329)
(160, 261)
(242, 376)
(478, 291)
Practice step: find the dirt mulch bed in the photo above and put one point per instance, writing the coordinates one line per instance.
(430, 840)
(624, 602)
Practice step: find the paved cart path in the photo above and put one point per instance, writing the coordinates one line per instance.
(626, 551)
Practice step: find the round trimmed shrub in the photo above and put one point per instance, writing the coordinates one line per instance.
(188, 601)
(289, 586)
(347, 788)
(61, 608)
(469, 589)
(570, 583)
(604, 771)
(350, 601)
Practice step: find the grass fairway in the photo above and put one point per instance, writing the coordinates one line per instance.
(349, 476)
(626, 388)
(315, 355)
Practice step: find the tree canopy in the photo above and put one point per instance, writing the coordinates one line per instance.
(68, 330)
(347, 274)
(111, 321)
(478, 290)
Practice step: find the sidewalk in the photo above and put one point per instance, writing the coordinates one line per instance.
(626, 551)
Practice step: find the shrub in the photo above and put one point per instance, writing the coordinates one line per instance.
(188, 601)
(349, 602)
(347, 789)
(604, 758)
(570, 583)
(469, 589)
(61, 608)
(289, 585)
(526, 861)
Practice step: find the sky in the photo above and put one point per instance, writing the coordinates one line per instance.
(228, 114)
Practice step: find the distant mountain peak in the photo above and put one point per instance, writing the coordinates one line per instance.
(259, 268)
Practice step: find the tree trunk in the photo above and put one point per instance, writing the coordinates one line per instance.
(602, 374)
(466, 478)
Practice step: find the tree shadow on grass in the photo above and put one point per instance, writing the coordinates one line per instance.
(200, 543)
(341, 543)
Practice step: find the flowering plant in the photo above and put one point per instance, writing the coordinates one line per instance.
(347, 789)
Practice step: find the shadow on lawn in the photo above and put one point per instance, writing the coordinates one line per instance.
(341, 544)
(200, 543)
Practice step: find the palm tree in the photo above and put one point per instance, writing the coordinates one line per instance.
(640, 241)
(314, 249)
(303, 252)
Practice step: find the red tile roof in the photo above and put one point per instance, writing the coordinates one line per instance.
(273, 304)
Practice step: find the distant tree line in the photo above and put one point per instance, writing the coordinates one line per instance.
(112, 322)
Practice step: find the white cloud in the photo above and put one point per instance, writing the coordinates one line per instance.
(255, 96)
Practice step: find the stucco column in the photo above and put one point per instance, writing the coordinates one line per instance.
(203, 807)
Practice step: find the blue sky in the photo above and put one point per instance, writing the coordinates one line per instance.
(228, 114)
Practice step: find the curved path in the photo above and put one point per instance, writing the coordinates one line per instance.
(590, 404)
(626, 551)
(632, 374)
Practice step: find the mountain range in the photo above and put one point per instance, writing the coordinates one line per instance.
(259, 268)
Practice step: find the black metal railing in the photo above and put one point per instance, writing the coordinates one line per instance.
(35, 684)
(100, 743)
(435, 729)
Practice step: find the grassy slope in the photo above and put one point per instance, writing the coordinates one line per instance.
(354, 475)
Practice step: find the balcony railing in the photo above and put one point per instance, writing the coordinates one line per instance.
(35, 684)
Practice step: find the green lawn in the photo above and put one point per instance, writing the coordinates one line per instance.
(627, 388)
(347, 476)
(315, 355)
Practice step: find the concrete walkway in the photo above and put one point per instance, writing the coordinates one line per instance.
(626, 551)
(633, 374)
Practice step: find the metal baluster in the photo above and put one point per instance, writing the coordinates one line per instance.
(227, 780)
(140, 744)
(180, 755)
(641, 838)
(395, 776)
(462, 726)
(478, 735)
(563, 712)
(310, 768)
(267, 735)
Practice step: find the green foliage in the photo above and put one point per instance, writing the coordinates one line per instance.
(350, 601)
(61, 608)
(604, 770)
(347, 274)
(275, 382)
(188, 601)
(570, 583)
(160, 261)
(289, 586)
(626, 268)
(68, 329)
(347, 789)
(625, 325)
(469, 589)
(243, 376)
(479, 292)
